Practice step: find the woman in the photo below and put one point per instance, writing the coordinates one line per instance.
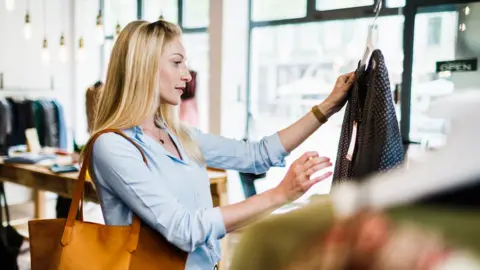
(146, 77)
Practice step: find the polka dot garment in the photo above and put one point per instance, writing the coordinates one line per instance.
(378, 146)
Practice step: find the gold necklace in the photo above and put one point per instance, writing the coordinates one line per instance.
(160, 137)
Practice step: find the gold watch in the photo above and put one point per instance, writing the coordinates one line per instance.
(319, 115)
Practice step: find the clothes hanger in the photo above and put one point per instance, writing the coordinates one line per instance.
(372, 37)
(451, 168)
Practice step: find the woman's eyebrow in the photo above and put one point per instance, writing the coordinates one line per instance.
(179, 54)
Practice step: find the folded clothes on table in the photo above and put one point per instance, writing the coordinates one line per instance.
(29, 158)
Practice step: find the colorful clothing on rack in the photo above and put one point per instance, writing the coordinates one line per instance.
(18, 115)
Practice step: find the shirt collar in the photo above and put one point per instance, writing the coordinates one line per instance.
(138, 133)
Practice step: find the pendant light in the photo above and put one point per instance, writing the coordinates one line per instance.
(81, 46)
(118, 29)
(63, 56)
(45, 52)
(99, 31)
(63, 50)
(161, 18)
(81, 50)
(27, 28)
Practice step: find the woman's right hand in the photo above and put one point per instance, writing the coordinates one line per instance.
(298, 179)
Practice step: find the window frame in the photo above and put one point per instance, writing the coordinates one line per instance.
(140, 5)
(409, 11)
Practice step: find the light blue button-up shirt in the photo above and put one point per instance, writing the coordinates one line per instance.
(173, 195)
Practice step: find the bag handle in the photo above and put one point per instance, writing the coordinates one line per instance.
(79, 192)
(3, 231)
(4, 198)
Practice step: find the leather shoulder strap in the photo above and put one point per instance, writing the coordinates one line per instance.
(79, 185)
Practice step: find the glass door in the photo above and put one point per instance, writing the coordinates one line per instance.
(445, 52)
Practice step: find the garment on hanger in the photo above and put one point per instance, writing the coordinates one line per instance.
(443, 173)
(191, 87)
(51, 125)
(188, 106)
(62, 126)
(370, 139)
(22, 119)
(40, 121)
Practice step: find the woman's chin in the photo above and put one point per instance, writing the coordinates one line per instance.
(175, 101)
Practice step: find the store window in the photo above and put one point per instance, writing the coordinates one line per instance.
(395, 3)
(330, 5)
(453, 35)
(434, 31)
(195, 13)
(263, 10)
(152, 9)
(295, 67)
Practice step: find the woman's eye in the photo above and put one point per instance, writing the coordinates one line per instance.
(177, 62)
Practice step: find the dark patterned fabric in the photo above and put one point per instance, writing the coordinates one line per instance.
(378, 144)
(191, 87)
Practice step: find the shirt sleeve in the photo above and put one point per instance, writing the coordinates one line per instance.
(118, 166)
(244, 156)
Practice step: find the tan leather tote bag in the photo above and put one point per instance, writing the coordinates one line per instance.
(76, 244)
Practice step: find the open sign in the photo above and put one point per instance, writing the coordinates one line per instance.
(457, 65)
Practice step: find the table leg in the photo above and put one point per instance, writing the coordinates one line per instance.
(39, 204)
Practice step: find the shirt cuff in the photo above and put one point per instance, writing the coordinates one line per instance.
(218, 225)
(276, 150)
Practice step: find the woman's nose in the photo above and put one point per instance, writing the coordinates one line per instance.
(186, 77)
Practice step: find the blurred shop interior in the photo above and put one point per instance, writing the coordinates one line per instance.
(260, 65)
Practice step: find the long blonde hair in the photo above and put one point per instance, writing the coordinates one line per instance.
(130, 94)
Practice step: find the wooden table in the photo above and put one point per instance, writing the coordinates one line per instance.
(41, 179)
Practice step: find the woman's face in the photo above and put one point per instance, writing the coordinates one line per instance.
(174, 73)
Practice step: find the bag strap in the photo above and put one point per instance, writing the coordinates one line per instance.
(79, 192)
(3, 231)
(4, 198)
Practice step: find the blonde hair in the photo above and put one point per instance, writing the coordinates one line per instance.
(130, 94)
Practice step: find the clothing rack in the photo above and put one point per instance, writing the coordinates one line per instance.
(33, 93)
(31, 109)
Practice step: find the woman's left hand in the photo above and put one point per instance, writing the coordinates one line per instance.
(338, 97)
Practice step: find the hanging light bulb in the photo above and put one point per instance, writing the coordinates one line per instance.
(118, 29)
(10, 5)
(63, 50)
(81, 50)
(161, 18)
(27, 28)
(100, 33)
(45, 53)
